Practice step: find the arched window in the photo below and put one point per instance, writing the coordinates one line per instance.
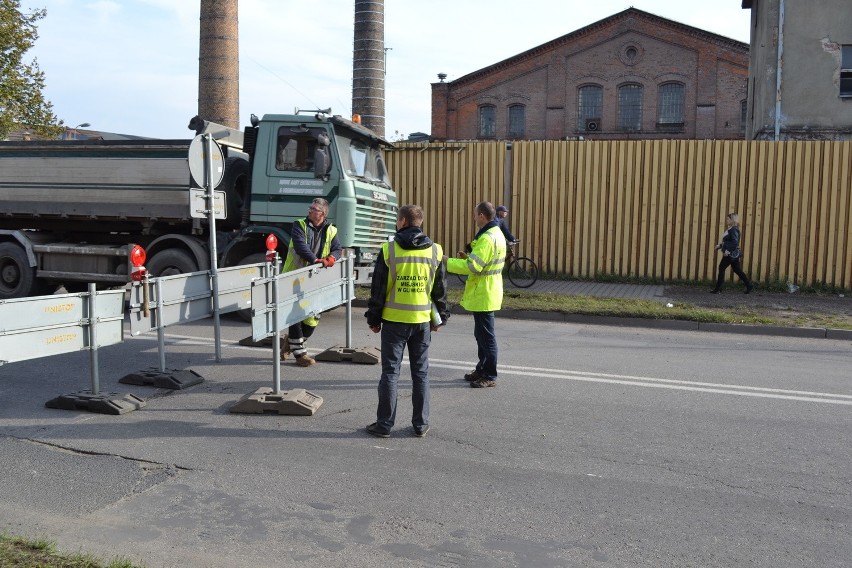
(630, 107)
(517, 121)
(487, 121)
(589, 107)
(670, 104)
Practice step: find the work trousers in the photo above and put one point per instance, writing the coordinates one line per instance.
(486, 344)
(734, 263)
(395, 338)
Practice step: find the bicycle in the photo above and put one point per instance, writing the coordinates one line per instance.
(521, 270)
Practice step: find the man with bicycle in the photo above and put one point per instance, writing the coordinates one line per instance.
(483, 290)
(511, 239)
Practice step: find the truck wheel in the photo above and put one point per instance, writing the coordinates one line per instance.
(250, 259)
(17, 278)
(170, 262)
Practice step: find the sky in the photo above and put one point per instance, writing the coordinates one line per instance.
(131, 66)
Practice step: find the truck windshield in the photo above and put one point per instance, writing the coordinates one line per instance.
(362, 160)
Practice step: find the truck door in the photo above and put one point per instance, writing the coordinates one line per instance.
(293, 180)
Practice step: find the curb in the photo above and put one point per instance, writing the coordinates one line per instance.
(675, 325)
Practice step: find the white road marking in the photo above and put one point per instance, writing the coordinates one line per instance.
(629, 380)
(650, 382)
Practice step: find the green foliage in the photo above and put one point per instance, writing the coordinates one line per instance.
(22, 102)
(24, 553)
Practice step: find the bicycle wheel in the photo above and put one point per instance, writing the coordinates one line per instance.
(523, 272)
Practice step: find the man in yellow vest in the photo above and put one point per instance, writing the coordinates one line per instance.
(313, 240)
(408, 301)
(483, 290)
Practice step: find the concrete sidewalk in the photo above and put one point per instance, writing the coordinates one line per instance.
(651, 292)
(655, 292)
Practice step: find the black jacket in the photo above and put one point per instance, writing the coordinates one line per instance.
(731, 239)
(410, 238)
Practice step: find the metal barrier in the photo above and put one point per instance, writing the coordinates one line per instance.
(184, 298)
(44, 326)
(281, 300)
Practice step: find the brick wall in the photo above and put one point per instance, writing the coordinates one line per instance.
(629, 47)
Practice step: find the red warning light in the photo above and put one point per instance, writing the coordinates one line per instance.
(137, 256)
(271, 242)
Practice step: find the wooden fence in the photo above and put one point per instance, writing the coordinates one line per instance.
(653, 208)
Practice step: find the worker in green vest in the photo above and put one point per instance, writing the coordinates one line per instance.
(313, 240)
(483, 291)
(408, 301)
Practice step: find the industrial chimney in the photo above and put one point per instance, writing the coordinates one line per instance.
(219, 63)
(368, 69)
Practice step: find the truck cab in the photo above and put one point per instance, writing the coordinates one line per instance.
(296, 158)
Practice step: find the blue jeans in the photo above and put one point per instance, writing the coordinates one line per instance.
(486, 344)
(395, 337)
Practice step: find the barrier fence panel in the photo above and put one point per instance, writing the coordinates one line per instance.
(184, 298)
(43, 326)
(157, 303)
(281, 300)
(305, 292)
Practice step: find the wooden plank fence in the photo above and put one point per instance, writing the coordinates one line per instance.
(650, 208)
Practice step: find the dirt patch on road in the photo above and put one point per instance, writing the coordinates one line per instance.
(799, 309)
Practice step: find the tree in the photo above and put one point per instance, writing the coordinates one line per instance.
(22, 103)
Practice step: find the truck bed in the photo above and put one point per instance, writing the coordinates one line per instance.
(84, 181)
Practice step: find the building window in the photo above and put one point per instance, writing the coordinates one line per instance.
(670, 104)
(743, 115)
(589, 108)
(487, 122)
(517, 121)
(630, 107)
(846, 71)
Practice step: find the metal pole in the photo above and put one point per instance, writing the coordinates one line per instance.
(349, 293)
(93, 340)
(276, 337)
(214, 255)
(161, 332)
(779, 65)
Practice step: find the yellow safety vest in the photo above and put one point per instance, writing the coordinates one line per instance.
(411, 274)
(483, 290)
(295, 261)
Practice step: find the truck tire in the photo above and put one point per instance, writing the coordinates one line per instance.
(170, 262)
(17, 277)
(235, 185)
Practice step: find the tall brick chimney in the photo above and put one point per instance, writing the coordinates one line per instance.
(368, 64)
(219, 63)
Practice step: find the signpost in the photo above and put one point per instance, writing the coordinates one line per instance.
(208, 173)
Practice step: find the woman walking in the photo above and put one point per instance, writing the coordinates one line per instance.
(731, 254)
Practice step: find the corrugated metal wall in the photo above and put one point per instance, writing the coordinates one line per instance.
(651, 208)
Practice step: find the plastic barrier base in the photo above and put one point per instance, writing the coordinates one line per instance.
(103, 403)
(265, 342)
(365, 355)
(295, 402)
(169, 379)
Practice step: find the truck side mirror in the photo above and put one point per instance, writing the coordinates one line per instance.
(322, 158)
(322, 162)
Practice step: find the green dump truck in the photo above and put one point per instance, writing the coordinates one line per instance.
(70, 211)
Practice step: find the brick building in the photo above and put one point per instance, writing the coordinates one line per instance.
(632, 75)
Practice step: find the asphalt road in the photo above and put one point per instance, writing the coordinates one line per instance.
(601, 446)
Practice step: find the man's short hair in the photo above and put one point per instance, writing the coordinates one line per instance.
(487, 209)
(412, 214)
(502, 209)
(322, 204)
